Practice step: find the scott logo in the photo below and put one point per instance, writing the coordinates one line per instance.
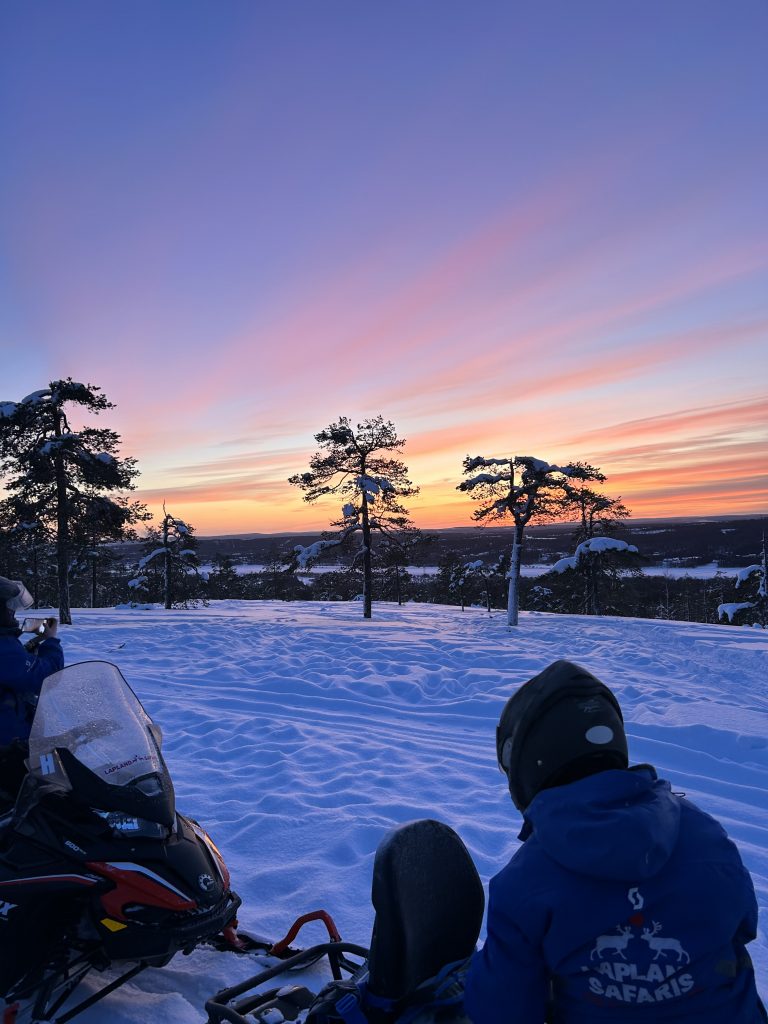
(635, 898)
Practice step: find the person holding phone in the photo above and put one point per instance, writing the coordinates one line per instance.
(22, 672)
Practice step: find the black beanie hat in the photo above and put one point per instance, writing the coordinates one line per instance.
(562, 725)
(8, 591)
(13, 595)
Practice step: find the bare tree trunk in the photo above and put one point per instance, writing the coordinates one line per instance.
(35, 576)
(597, 608)
(367, 572)
(62, 535)
(168, 597)
(513, 595)
(592, 587)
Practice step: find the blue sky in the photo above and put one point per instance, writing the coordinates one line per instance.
(532, 228)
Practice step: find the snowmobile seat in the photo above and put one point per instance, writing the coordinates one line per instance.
(429, 902)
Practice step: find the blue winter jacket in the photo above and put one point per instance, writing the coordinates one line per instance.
(626, 903)
(21, 677)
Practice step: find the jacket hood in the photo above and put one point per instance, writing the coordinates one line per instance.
(617, 824)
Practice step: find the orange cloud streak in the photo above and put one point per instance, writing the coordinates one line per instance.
(746, 415)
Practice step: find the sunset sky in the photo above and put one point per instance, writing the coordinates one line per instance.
(534, 228)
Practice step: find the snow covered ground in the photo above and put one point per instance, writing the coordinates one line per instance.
(299, 733)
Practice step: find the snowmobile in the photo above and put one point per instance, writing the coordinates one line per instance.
(98, 870)
(100, 873)
(428, 902)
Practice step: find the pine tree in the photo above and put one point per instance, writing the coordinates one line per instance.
(597, 562)
(395, 553)
(66, 476)
(487, 576)
(224, 583)
(26, 551)
(525, 488)
(169, 571)
(757, 576)
(601, 561)
(355, 464)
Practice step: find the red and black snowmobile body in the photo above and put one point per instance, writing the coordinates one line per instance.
(97, 868)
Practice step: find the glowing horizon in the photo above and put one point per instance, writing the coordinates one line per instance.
(509, 231)
(658, 490)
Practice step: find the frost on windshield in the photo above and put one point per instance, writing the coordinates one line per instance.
(91, 710)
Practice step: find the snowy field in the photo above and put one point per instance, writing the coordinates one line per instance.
(298, 734)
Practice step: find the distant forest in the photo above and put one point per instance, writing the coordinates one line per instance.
(468, 565)
(677, 543)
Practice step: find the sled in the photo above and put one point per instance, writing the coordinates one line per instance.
(428, 903)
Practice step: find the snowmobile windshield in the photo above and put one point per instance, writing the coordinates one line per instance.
(91, 736)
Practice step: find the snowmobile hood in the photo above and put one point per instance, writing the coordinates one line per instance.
(617, 824)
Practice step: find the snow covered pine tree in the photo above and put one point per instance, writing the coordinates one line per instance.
(60, 475)
(349, 464)
(536, 493)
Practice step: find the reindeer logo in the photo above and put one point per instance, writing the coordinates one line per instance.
(663, 945)
(618, 943)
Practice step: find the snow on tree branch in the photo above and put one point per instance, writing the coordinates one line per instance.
(593, 546)
(729, 610)
(36, 397)
(480, 460)
(744, 574)
(56, 444)
(306, 555)
(483, 478)
(373, 486)
(148, 558)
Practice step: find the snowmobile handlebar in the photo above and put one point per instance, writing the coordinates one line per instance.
(221, 1008)
(315, 915)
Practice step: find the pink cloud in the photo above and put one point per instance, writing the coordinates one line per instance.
(745, 415)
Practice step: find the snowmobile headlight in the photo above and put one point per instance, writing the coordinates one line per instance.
(130, 826)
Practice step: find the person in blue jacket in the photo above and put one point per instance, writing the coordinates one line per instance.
(21, 676)
(625, 901)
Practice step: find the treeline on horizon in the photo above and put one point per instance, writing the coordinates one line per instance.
(67, 526)
(684, 598)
